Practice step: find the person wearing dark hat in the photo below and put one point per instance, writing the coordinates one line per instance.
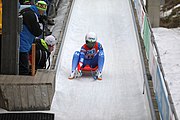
(31, 29)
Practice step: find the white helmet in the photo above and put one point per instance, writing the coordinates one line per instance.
(50, 40)
(91, 39)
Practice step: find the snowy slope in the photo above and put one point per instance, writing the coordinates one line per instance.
(168, 42)
(119, 94)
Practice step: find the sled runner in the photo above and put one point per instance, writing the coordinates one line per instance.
(88, 68)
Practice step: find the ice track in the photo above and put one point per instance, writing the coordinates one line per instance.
(119, 95)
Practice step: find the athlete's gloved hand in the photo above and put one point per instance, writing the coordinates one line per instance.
(78, 70)
(79, 66)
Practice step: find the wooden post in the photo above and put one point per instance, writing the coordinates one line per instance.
(33, 59)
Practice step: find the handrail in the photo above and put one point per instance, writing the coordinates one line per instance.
(161, 67)
(146, 84)
(160, 64)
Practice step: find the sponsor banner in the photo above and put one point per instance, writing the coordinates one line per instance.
(140, 14)
(146, 36)
(162, 96)
(152, 63)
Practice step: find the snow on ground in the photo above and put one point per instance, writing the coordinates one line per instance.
(168, 42)
(168, 12)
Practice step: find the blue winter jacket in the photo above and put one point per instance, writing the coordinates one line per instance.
(31, 28)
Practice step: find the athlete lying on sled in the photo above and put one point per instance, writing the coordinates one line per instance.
(90, 58)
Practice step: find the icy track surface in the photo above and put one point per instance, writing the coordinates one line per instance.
(119, 95)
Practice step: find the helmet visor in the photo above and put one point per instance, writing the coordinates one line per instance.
(90, 44)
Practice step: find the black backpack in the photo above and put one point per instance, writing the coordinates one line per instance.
(42, 54)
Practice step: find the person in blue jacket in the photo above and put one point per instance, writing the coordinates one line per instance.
(91, 54)
(31, 29)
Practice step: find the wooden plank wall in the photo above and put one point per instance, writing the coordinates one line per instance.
(27, 92)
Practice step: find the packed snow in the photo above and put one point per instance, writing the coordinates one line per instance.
(168, 42)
